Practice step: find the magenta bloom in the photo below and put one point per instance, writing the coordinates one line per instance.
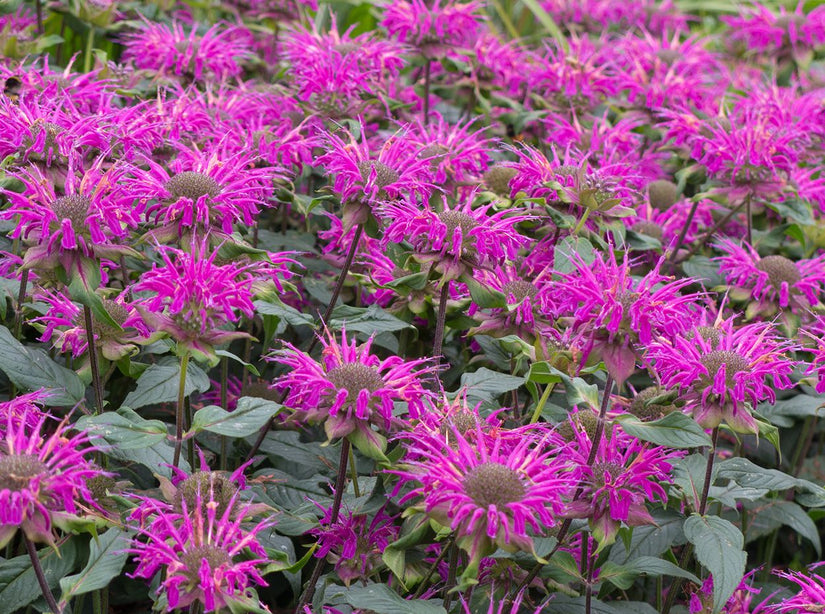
(217, 54)
(350, 388)
(205, 554)
(433, 27)
(719, 370)
(355, 543)
(194, 297)
(492, 491)
(773, 282)
(43, 471)
(809, 598)
(764, 31)
(201, 191)
(617, 314)
(456, 153)
(456, 241)
(625, 475)
(73, 231)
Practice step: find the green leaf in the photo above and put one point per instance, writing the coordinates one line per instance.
(562, 604)
(546, 20)
(381, 598)
(777, 512)
(623, 576)
(544, 373)
(747, 474)
(247, 365)
(284, 312)
(484, 296)
(650, 540)
(487, 385)
(32, 369)
(675, 430)
(704, 270)
(719, 549)
(107, 556)
(569, 247)
(248, 418)
(579, 392)
(89, 298)
(369, 320)
(160, 382)
(18, 584)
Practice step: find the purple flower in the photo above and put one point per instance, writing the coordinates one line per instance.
(810, 595)
(205, 554)
(764, 31)
(43, 472)
(350, 388)
(492, 491)
(721, 371)
(433, 27)
(455, 152)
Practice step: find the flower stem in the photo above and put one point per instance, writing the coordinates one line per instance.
(224, 382)
(39, 10)
(342, 276)
(542, 402)
(41, 577)
(184, 364)
(451, 576)
(580, 225)
(683, 234)
(588, 589)
(21, 296)
(687, 552)
(427, 73)
(90, 41)
(426, 579)
(704, 240)
(90, 340)
(441, 319)
(749, 216)
(353, 473)
(340, 481)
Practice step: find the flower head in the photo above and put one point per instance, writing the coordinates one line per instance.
(720, 369)
(43, 472)
(810, 596)
(433, 27)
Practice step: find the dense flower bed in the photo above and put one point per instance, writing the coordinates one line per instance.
(416, 307)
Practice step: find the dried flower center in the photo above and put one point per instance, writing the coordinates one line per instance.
(463, 421)
(100, 486)
(585, 422)
(192, 559)
(118, 313)
(74, 208)
(205, 486)
(192, 185)
(649, 229)
(663, 194)
(520, 289)
(17, 471)
(734, 363)
(614, 470)
(642, 408)
(436, 149)
(355, 377)
(779, 270)
(384, 175)
(494, 484)
(498, 178)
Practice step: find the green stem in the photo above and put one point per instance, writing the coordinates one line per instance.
(440, 323)
(90, 339)
(90, 41)
(583, 219)
(426, 579)
(427, 72)
(21, 297)
(41, 577)
(184, 364)
(542, 402)
(224, 394)
(451, 576)
(353, 473)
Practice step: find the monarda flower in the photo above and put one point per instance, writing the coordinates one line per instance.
(493, 492)
(773, 283)
(455, 241)
(65, 326)
(368, 174)
(43, 472)
(355, 543)
(351, 389)
(68, 235)
(203, 191)
(722, 371)
(205, 556)
(433, 27)
(810, 593)
(624, 476)
(194, 297)
(781, 35)
(216, 55)
(617, 314)
(456, 152)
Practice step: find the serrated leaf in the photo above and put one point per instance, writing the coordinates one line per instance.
(746, 473)
(718, 546)
(368, 320)
(776, 513)
(623, 576)
(32, 369)
(160, 382)
(704, 270)
(486, 384)
(569, 250)
(544, 373)
(675, 430)
(381, 598)
(288, 314)
(107, 556)
(124, 429)
(248, 417)
(18, 584)
(650, 540)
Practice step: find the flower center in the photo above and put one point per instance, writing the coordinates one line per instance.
(668, 56)
(192, 185)
(119, 314)
(17, 471)
(734, 363)
(74, 208)
(710, 334)
(347, 47)
(384, 175)
(614, 470)
(205, 486)
(779, 270)
(355, 377)
(463, 421)
(646, 411)
(494, 484)
(520, 289)
(663, 194)
(498, 178)
(193, 557)
(457, 219)
(649, 229)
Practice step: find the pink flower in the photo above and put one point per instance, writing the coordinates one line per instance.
(810, 595)
(719, 370)
(455, 152)
(350, 388)
(764, 31)
(433, 27)
(204, 552)
(43, 471)
(492, 491)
